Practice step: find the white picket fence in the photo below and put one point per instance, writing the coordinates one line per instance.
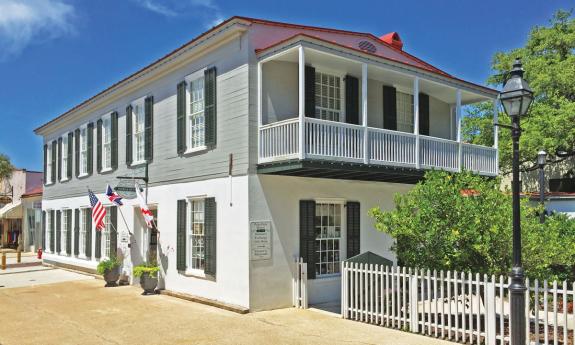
(458, 306)
(299, 284)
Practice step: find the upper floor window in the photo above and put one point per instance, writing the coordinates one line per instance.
(64, 157)
(195, 112)
(328, 97)
(49, 166)
(83, 151)
(106, 142)
(139, 131)
(404, 103)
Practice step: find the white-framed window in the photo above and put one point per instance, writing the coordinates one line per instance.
(49, 166)
(138, 131)
(195, 119)
(49, 221)
(83, 150)
(106, 235)
(82, 232)
(106, 142)
(328, 96)
(64, 231)
(195, 235)
(328, 237)
(64, 158)
(404, 104)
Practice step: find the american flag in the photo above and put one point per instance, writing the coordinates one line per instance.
(98, 211)
(113, 196)
(146, 213)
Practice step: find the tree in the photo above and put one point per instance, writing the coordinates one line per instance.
(5, 167)
(464, 222)
(549, 61)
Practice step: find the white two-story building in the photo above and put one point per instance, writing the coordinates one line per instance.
(264, 141)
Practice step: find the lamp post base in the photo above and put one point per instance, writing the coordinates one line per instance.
(517, 290)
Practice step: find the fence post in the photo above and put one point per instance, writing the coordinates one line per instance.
(490, 320)
(343, 290)
(414, 317)
(304, 284)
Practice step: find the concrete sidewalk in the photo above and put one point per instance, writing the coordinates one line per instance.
(85, 312)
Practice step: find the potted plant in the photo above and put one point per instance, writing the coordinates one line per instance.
(148, 274)
(110, 270)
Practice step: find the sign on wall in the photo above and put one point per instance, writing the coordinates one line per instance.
(261, 240)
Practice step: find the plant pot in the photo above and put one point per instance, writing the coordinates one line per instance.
(111, 277)
(148, 283)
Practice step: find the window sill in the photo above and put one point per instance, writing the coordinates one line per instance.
(49, 183)
(83, 175)
(82, 256)
(138, 163)
(195, 274)
(105, 170)
(64, 179)
(196, 150)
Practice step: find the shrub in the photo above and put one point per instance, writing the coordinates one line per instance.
(107, 265)
(150, 269)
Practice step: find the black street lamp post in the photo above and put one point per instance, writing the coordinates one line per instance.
(516, 98)
(541, 161)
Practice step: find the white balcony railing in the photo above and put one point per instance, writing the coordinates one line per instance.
(336, 141)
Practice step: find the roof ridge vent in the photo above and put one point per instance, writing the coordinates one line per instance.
(393, 39)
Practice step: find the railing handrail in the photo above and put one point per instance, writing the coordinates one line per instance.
(392, 132)
(332, 123)
(436, 139)
(279, 123)
(490, 148)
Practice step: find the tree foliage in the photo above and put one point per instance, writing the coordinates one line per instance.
(464, 222)
(5, 167)
(549, 61)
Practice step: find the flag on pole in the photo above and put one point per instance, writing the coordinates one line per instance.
(98, 211)
(113, 196)
(148, 216)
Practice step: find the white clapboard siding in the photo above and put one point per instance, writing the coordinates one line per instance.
(459, 306)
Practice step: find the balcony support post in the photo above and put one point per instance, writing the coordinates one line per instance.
(416, 121)
(496, 133)
(260, 120)
(364, 112)
(301, 73)
(458, 125)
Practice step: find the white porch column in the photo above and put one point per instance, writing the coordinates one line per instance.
(260, 120)
(496, 133)
(416, 119)
(301, 101)
(364, 112)
(458, 124)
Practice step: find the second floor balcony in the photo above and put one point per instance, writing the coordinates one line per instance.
(334, 107)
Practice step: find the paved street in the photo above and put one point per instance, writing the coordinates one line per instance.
(84, 312)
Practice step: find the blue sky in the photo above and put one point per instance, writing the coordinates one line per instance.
(56, 53)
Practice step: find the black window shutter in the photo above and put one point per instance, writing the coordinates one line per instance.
(88, 225)
(210, 111)
(351, 100)
(90, 148)
(52, 232)
(113, 232)
(423, 114)
(353, 228)
(98, 244)
(149, 128)
(59, 158)
(389, 108)
(54, 150)
(129, 135)
(210, 236)
(77, 231)
(181, 235)
(307, 235)
(99, 146)
(181, 118)
(114, 141)
(77, 153)
(70, 154)
(309, 97)
(44, 229)
(45, 164)
(58, 231)
(69, 232)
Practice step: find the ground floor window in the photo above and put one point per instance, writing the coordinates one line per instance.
(82, 232)
(106, 234)
(49, 221)
(64, 230)
(328, 237)
(196, 260)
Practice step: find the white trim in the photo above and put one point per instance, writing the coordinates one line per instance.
(301, 100)
(364, 109)
(135, 164)
(195, 75)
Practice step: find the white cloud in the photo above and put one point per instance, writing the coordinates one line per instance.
(208, 10)
(157, 7)
(23, 22)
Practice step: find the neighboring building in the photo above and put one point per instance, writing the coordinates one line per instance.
(31, 203)
(12, 189)
(265, 141)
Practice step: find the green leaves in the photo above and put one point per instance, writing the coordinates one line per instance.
(5, 167)
(464, 222)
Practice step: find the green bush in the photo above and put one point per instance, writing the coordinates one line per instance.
(107, 265)
(150, 269)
